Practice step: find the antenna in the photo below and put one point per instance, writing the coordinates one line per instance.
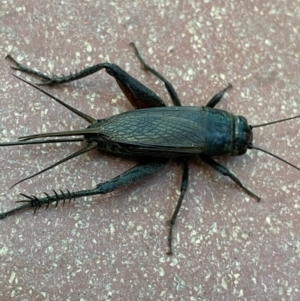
(251, 146)
(272, 122)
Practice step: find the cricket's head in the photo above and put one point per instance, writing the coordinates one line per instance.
(242, 136)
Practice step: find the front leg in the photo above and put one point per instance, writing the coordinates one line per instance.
(225, 172)
(217, 97)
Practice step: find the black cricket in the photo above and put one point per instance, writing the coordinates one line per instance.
(154, 132)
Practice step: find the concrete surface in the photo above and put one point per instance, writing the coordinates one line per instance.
(226, 246)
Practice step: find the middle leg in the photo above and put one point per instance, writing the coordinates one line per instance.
(174, 97)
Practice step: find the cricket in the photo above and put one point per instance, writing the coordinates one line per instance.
(152, 132)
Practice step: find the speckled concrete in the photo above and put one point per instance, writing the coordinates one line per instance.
(226, 246)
